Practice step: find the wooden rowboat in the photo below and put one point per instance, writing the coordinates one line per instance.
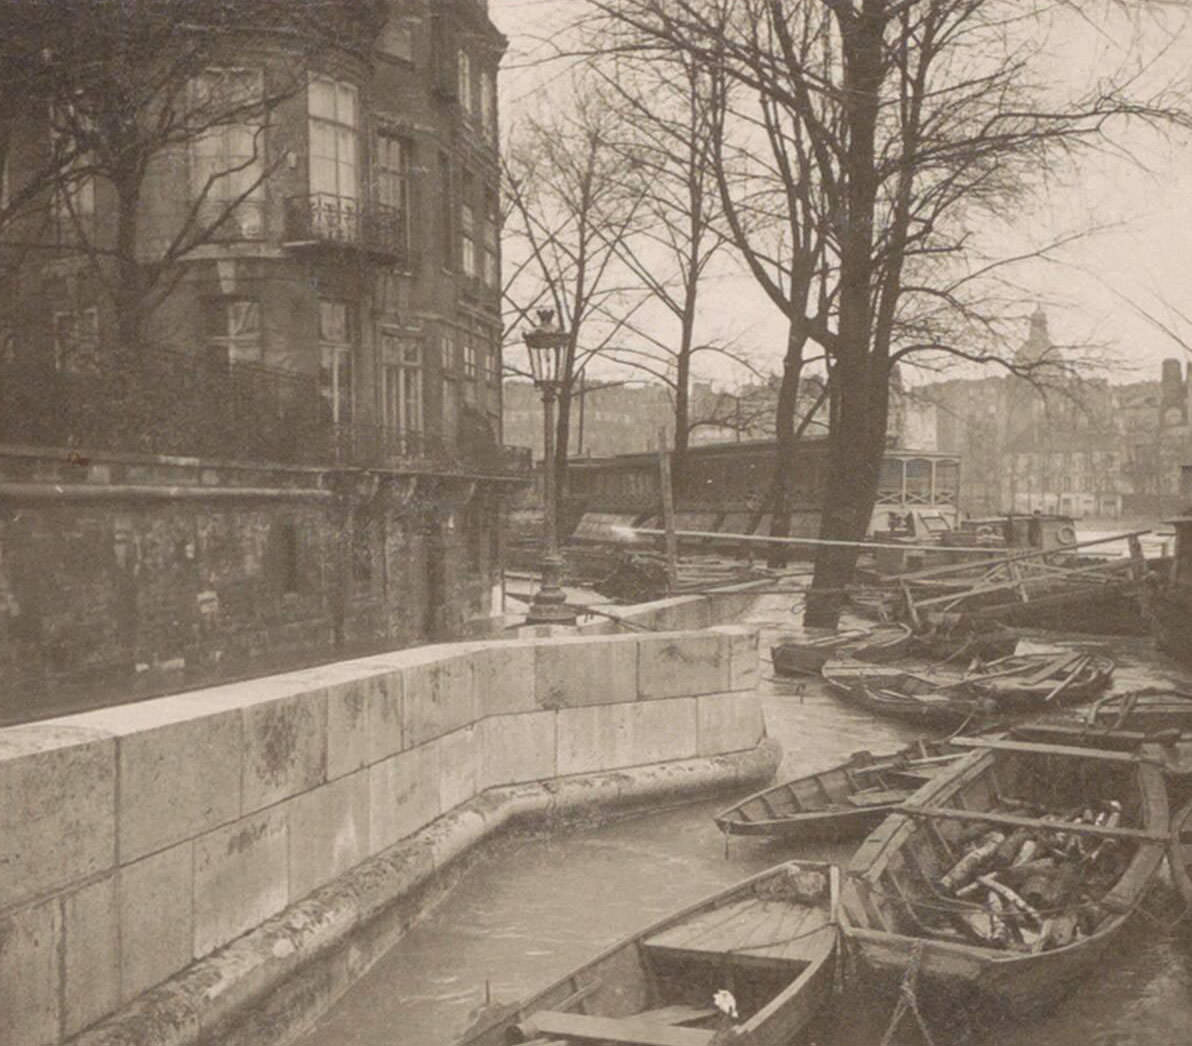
(982, 955)
(806, 656)
(844, 802)
(769, 941)
(902, 693)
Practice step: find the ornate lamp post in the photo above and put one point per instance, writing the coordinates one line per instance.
(545, 345)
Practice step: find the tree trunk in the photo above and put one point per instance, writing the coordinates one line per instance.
(129, 295)
(682, 415)
(852, 471)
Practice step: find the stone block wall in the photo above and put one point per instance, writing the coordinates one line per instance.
(138, 839)
(128, 575)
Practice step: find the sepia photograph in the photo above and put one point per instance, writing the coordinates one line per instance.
(595, 522)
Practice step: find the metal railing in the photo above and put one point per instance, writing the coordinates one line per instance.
(327, 218)
(174, 403)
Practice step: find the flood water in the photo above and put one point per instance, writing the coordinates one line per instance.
(538, 907)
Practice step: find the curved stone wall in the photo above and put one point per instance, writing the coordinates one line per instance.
(142, 842)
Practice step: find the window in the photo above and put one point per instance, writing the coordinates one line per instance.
(227, 167)
(402, 380)
(488, 103)
(393, 181)
(337, 336)
(471, 366)
(467, 226)
(463, 85)
(492, 221)
(76, 339)
(233, 329)
(446, 213)
(492, 360)
(334, 159)
(397, 38)
(73, 202)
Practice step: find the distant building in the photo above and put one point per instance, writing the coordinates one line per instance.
(1086, 448)
(610, 419)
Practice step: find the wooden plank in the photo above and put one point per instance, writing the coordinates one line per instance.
(1042, 748)
(706, 930)
(1014, 821)
(678, 1014)
(630, 1030)
(889, 795)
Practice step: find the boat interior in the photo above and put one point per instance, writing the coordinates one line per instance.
(896, 876)
(659, 989)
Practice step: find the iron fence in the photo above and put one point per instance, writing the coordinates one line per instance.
(174, 403)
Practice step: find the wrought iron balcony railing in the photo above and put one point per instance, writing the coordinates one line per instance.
(323, 218)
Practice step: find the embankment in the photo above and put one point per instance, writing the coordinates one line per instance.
(219, 865)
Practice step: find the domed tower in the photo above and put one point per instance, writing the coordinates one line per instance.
(1025, 404)
(1038, 340)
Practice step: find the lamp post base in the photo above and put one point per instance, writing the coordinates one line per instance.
(549, 606)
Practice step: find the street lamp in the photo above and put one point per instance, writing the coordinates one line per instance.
(545, 345)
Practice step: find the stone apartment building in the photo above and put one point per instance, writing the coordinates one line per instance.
(303, 457)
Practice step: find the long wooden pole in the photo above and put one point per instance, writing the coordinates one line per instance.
(990, 552)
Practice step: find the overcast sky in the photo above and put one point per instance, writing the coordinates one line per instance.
(1142, 262)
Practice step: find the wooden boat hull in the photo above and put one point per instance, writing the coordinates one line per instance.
(906, 696)
(985, 989)
(770, 940)
(843, 802)
(800, 657)
(890, 924)
(1170, 614)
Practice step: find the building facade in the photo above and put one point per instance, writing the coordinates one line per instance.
(1088, 448)
(302, 453)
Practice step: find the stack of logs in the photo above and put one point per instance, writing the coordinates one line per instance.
(1030, 889)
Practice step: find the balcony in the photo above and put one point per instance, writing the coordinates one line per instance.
(323, 219)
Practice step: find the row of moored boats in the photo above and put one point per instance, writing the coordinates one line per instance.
(993, 871)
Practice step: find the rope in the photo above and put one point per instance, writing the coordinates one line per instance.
(749, 945)
(908, 1001)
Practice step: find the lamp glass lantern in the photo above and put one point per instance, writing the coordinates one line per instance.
(544, 345)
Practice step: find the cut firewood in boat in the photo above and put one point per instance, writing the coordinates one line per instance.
(1028, 930)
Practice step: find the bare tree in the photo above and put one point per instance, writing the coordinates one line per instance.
(666, 132)
(916, 121)
(569, 210)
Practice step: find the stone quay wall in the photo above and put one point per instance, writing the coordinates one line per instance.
(171, 865)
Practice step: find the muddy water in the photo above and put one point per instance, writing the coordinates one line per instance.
(539, 907)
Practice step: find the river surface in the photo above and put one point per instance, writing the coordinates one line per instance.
(539, 906)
